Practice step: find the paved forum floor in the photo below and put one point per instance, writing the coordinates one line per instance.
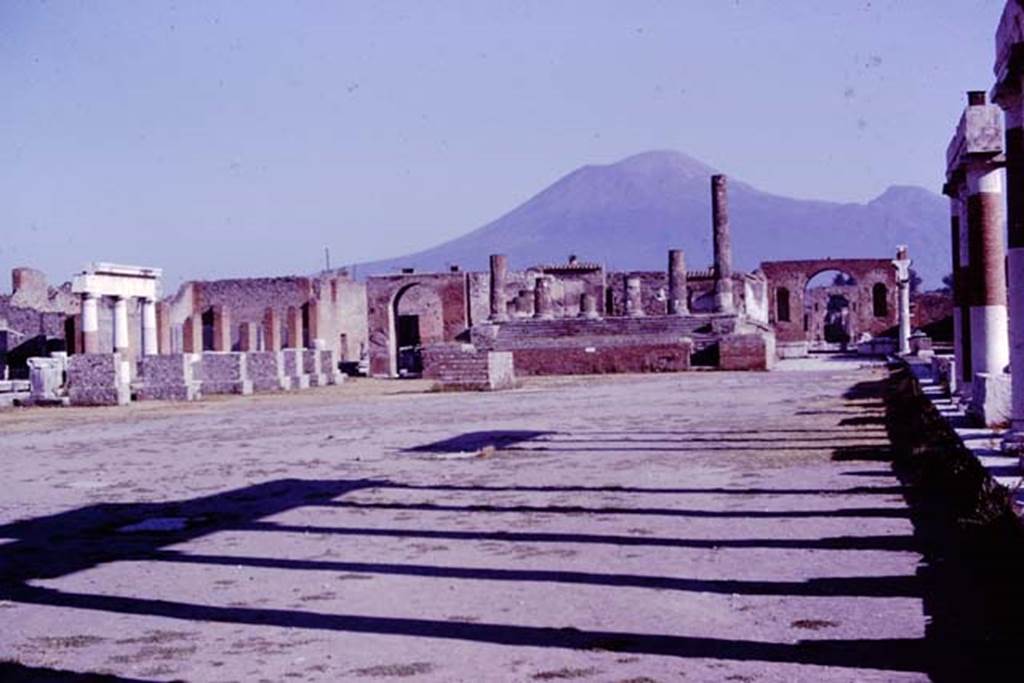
(704, 526)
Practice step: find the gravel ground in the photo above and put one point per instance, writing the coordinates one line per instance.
(698, 526)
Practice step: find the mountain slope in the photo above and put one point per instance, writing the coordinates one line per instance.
(628, 214)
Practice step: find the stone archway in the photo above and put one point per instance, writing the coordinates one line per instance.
(869, 306)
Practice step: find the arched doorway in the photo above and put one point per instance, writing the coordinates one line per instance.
(828, 311)
(416, 320)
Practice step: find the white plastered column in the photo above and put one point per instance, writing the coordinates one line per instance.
(958, 336)
(90, 323)
(149, 332)
(902, 265)
(121, 343)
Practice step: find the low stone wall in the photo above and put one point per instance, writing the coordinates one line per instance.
(97, 379)
(266, 370)
(462, 366)
(224, 372)
(168, 377)
(605, 359)
(746, 352)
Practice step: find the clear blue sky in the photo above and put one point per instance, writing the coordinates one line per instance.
(230, 138)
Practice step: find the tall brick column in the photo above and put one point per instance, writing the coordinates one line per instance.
(677, 283)
(1008, 93)
(192, 334)
(722, 244)
(163, 327)
(293, 319)
(499, 273)
(961, 310)
(271, 330)
(974, 177)
(221, 328)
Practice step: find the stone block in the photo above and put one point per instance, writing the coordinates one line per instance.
(944, 372)
(990, 399)
(747, 351)
(877, 346)
(97, 379)
(168, 377)
(294, 368)
(799, 349)
(224, 373)
(311, 366)
(329, 367)
(266, 371)
(46, 378)
(464, 367)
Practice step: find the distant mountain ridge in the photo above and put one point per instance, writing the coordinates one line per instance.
(629, 213)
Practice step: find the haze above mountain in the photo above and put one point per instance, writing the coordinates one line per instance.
(628, 214)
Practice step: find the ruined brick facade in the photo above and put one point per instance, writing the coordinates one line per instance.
(796, 313)
(332, 308)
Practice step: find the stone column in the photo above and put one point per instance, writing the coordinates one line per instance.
(634, 297)
(677, 283)
(722, 244)
(1014, 117)
(1008, 93)
(90, 323)
(221, 328)
(542, 305)
(524, 304)
(902, 265)
(247, 337)
(293, 319)
(588, 307)
(313, 322)
(121, 342)
(192, 334)
(499, 273)
(990, 348)
(163, 327)
(961, 311)
(271, 330)
(150, 344)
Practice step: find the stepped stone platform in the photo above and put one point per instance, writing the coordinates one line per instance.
(624, 344)
(464, 367)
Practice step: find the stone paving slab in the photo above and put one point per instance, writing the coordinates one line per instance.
(700, 526)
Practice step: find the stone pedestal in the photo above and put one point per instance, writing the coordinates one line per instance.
(168, 377)
(311, 366)
(990, 399)
(329, 367)
(294, 368)
(224, 373)
(46, 379)
(97, 379)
